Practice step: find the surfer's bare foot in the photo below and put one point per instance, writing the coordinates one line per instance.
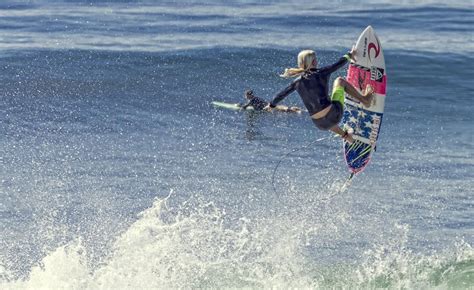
(368, 95)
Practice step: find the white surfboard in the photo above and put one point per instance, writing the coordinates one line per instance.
(230, 106)
(368, 68)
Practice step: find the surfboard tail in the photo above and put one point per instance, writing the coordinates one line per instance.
(357, 155)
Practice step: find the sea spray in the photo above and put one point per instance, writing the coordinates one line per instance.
(192, 247)
(393, 265)
(195, 249)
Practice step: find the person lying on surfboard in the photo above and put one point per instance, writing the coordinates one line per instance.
(312, 85)
(259, 104)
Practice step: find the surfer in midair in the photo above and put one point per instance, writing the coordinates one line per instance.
(312, 84)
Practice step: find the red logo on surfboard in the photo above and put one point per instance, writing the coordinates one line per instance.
(375, 47)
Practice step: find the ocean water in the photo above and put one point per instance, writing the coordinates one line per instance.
(117, 173)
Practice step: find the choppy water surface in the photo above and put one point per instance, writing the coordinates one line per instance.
(118, 173)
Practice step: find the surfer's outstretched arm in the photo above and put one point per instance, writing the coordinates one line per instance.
(283, 94)
(340, 63)
(243, 107)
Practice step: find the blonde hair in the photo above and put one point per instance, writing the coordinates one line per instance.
(305, 62)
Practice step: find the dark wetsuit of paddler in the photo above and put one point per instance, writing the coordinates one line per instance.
(312, 84)
(257, 103)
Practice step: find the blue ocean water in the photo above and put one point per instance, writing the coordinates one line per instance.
(117, 172)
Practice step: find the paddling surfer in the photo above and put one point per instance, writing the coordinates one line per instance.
(259, 104)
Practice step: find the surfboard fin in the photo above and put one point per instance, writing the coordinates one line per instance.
(346, 184)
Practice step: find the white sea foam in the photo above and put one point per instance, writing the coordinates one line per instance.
(195, 249)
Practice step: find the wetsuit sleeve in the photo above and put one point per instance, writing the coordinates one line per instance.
(340, 63)
(284, 93)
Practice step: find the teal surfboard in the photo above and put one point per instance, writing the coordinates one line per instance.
(230, 106)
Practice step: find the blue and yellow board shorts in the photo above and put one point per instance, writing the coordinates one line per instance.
(334, 116)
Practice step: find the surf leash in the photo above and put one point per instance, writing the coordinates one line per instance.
(291, 152)
(346, 184)
(343, 188)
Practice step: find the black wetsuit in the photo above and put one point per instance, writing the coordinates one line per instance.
(257, 103)
(313, 88)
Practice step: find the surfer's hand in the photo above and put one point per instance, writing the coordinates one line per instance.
(267, 108)
(352, 53)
